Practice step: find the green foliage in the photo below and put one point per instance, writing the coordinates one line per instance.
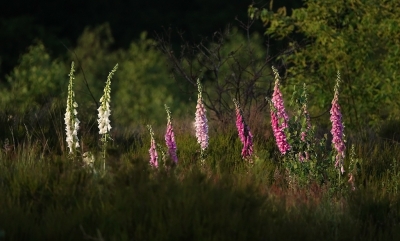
(140, 89)
(144, 85)
(94, 59)
(35, 82)
(359, 38)
(309, 159)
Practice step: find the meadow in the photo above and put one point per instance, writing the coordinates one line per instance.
(231, 137)
(215, 182)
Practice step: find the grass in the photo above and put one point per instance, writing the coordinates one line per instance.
(44, 195)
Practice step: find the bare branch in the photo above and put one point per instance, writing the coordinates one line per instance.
(236, 72)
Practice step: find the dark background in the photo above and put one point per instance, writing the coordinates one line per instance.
(59, 23)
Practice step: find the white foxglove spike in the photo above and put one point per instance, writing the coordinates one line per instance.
(71, 120)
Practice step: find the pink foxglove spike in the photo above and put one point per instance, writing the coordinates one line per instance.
(277, 127)
(201, 120)
(152, 150)
(244, 132)
(337, 127)
(170, 137)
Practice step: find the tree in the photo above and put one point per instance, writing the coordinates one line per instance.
(361, 38)
(230, 64)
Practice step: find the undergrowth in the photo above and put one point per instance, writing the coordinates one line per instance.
(47, 196)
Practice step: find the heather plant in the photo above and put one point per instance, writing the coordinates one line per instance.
(104, 114)
(71, 119)
(244, 132)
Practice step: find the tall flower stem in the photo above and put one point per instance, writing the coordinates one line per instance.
(306, 125)
(337, 127)
(152, 150)
(278, 112)
(71, 120)
(170, 137)
(104, 114)
(201, 123)
(244, 132)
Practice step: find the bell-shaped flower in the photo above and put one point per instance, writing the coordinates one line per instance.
(244, 132)
(280, 136)
(279, 112)
(170, 137)
(104, 109)
(337, 127)
(71, 120)
(152, 150)
(201, 120)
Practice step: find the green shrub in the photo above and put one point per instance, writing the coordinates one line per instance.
(35, 82)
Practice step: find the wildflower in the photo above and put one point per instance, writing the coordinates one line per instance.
(278, 101)
(71, 120)
(277, 104)
(152, 150)
(201, 120)
(337, 127)
(104, 114)
(104, 109)
(244, 132)
(170, 137)
(280, 136)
